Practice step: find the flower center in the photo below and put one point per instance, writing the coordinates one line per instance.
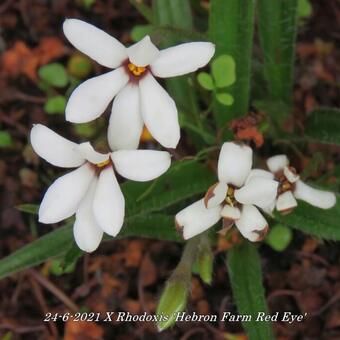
(229, 197)
(136, 70)
(284, 183)
(104, 163)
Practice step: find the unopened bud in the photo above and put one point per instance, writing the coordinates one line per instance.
(173, 300)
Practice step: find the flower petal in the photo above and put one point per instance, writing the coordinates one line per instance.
(234, 163)
(230, 213)
(109, 203)
(86, 232)
(259, 173)
(143, 53)
(126, 123)
(290, 174)
(95, 43)
(215, 195)
(318, 198)
(259, 191)
(55, 149)
(277, 163)
(182, 59)
(90, 99)
(141, 165)
(252, 225)
(286, 202)
(86, 150)
(196, 218)
(159, 112)
(64, 195)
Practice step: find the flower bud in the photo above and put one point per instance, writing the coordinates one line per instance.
(173, 300)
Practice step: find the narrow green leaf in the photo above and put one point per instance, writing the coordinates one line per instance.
(54, 74)
(157, 226)
(53, 244)
(277, 22)
(246, 281)
(321, 223)
(182, 181)
(231, 29)
(28, 208)
(323, 125)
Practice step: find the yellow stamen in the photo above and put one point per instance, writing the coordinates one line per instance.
(136, 70)
(104, 163)
(230, 199)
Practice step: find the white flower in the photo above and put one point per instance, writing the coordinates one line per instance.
(291, 187)
(140, 99)
(233, 198)
(91, 191)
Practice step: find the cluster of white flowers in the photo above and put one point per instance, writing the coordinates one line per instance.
(92, 192)
(240, 190)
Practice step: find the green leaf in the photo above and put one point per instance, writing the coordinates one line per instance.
(323, 125)
(55, 105)
(205, 134)
(277, 22)
(304, 9)
(157, 226)
(231, 25)
(245, 275)
(224, 99)
(279, 237)
(317, 222)
(54, 74)
(183, 181)
(29, 208)
(5, 139)
(138, 32)
(51, 245)
(205, 80)
(223, 70)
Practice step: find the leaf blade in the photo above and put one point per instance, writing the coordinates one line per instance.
(245, 274)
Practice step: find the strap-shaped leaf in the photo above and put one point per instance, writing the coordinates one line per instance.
(246, 281)
(277, 22)
(323, 125)
(53, 244)
(321, 223)
(231, 29)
